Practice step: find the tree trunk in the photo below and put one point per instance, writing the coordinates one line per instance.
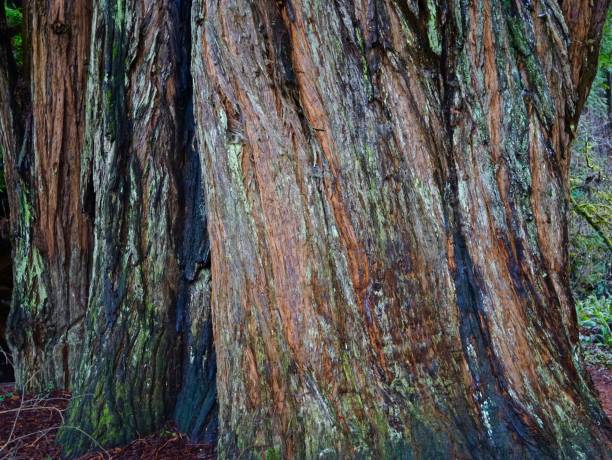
(387, 187)
(609, 94)
(115, 149)
(41, 132)
(150, 285)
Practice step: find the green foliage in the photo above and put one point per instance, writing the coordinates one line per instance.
(14, 16)
(595, 320)
(605, 54)
(7, 395)
(595, 314)
(14, 19)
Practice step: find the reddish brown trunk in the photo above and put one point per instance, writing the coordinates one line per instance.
(387, 185)
(386, 193)
(52, 235)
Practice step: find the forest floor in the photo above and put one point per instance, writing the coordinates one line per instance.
(602, 379)
(30, 424)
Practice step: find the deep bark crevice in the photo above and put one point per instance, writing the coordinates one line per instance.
(17, 101)
(6, 277)
(196, 406)
(149, 354)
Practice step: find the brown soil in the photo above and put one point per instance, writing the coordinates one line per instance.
(602, 379)
(30, 424)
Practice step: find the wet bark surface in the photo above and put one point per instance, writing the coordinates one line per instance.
(148, 316)
(108, 217)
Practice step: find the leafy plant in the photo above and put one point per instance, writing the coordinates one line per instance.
(595, 316)
(14, 20)
(595, 320)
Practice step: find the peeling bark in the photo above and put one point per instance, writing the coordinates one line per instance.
(387, 186)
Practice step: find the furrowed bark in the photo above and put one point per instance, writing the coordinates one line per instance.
(385, 183)
(128, 373)
(150, 285)
(387, 187)
(42, 134)
(9, 128)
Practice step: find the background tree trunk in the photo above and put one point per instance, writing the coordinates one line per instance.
(41, 132)
(387, 188)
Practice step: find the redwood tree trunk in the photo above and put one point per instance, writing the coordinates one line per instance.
(387, 190)
(386, 186)
(108, 216)
(141, 175)
(41, 132)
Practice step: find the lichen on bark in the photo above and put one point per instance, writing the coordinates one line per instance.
(51, 236)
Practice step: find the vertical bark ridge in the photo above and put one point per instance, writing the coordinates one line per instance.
(385, 184)
(526, 157)
(335, 310)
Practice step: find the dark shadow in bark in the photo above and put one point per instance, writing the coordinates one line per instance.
(15, 74)
(196, 407)
(6, 288)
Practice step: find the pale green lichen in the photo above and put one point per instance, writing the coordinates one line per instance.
(533, 68)
(433, 33)
(362, 54)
